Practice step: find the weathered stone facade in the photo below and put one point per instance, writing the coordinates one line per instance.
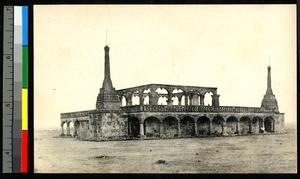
(183, 115)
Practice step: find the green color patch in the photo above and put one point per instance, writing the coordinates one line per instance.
(25, 67)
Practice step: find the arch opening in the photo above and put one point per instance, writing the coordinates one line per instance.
(146, 100)
(175, 100)
(208, 99)
(257, 125)
(187, 126)
(203, 125)
(269, 124)
(162, 100)
(161, 91)
(245, 123)
(123, 101)
(231, 125)
(72, 128)
(196, 100)
(217, 125)
(183, 100)
(64, 128)
(133, 127)
(151, 125)
(135, 99)
(170, 127)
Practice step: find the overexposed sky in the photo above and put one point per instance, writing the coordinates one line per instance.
(224, 46)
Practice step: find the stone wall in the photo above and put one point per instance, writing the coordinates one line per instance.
(85, 130)
(113, 125)
(279, 122)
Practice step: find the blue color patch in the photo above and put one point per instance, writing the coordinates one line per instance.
(24, 25)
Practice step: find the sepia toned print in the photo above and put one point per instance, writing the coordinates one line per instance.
(120, 127)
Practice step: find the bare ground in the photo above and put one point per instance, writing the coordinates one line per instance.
(239, 154)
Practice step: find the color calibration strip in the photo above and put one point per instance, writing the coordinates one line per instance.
(24, 140)
(20, 121)
(15, 89)
(17, 115)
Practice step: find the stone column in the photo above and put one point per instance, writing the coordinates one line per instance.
(201, 100)
(210, 127)
(178, 129)
(263, 125)
(100, 130)
(141, 129)
(129, 101)
(224, 129)
(97, 128)
(238, 128)
(179, 101)
(169, 101)
(141, 99)
(62, 129)
(68, 129)
(129, 126)
(75, 129)
(215, 100)
(153, 98)
(185, 100)
(191, 100)
(250, 127)
(160, 129)
(196, 129)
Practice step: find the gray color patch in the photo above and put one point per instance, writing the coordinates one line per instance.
(17, 110)
(18, 91)
(18, 53)
(18, 72)
(17, 34)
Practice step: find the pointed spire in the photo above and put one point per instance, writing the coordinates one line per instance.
(107, 83)
(269, 101)
(269, 88)
(107, 98)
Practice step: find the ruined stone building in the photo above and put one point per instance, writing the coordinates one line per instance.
(183, 115)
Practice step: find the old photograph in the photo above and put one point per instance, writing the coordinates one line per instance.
(165, 89)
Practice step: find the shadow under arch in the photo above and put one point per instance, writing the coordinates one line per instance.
(187, 126)
(203, 125)
(269, 124)
(232, 125)
(133, 127)
(170, 127)
(245, 123)
(151, 127)
(257, 124)
(217, 125)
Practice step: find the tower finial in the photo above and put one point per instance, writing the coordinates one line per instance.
(269, 101)
(106, 36)
(269, 61)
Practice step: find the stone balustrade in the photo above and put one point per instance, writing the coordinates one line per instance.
(165, 108)
(76, 114)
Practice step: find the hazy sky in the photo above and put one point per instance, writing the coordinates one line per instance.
(224, 46)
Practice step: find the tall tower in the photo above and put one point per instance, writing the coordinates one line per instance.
(107, 98)
(269, 101)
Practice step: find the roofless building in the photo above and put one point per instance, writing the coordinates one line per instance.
(183, 115)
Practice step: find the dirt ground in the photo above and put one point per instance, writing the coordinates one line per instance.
(240, 154)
